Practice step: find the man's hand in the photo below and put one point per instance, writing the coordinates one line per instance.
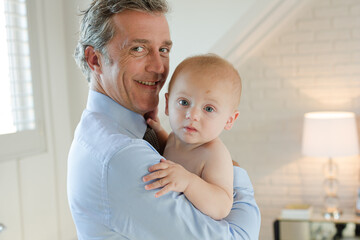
(172, 177)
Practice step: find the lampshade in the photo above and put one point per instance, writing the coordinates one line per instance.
(330, 134)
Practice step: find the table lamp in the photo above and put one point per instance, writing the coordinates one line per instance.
(330, 134)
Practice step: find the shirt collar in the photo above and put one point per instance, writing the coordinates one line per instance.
(128, 120)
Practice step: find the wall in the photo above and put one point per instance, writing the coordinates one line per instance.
(194, 31)
(77, 84)
(310, 63)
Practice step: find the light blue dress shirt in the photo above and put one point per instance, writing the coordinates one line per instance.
(107, 196)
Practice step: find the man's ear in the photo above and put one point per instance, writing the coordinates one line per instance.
(231, 120)
(92, 58)
(167, 104)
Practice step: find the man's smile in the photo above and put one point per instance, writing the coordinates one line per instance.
(148, 83)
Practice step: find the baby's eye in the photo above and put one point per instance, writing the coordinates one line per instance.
(183, 102)
(209, 109)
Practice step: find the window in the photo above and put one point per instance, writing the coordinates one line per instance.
(20, 129)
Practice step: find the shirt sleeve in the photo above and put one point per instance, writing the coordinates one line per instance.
(244, 218)
(135, 212)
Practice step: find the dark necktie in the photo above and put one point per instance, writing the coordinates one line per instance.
(150, 136)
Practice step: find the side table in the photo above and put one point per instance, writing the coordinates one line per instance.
(318, 228)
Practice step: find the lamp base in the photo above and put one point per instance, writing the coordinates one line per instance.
(332, 213)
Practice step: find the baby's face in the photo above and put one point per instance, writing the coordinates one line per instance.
(200, 105)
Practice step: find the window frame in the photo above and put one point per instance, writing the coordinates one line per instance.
(29, 142)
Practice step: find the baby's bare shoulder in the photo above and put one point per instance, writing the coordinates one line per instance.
(217, 151)
(218, 165)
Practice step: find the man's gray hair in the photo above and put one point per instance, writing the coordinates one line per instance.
(97, 28)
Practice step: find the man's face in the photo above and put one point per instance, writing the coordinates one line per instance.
(139, 60)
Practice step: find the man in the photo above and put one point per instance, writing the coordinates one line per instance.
(124, 52)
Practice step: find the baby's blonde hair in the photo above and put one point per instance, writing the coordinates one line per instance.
(214, 64)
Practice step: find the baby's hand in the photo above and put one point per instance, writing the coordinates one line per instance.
(172, 177)
(153, 120)
(154, 123)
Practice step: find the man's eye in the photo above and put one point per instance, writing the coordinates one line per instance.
(164, 50)
(138, 49)
(209, 109)
(184, 103)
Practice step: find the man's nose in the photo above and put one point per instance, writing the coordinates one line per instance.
(156, 63)
(193, 114)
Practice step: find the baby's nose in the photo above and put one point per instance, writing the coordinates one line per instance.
(193, 114)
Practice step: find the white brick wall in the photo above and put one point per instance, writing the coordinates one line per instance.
(312, 64)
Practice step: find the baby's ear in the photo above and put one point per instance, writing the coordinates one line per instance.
(167, 104)
(231, 120)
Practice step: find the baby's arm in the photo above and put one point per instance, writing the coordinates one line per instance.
(213, 195)
(213, 192)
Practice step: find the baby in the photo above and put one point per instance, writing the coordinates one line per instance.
(202, 100)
